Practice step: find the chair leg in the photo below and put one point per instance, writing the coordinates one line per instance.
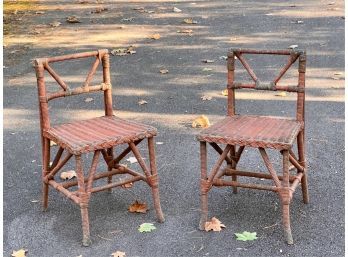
(285, 196)
(233, 166)
(204, 192)
(111, 154)
(45, 169)
(84, 200)
(154, 177)
(302, 161)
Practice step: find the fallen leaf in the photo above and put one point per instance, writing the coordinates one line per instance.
(99, 10)
(55, 24)
(155, 36)
(214, 225)
(127, 19)
(224, 92)
(205, 98)
(190, 21)
(19, 253)
(282, 94)
(201, 122)
(246, 236)
(331, 3)
(39, 12)
(128, 185)
(123, 51)
(207, 69)
(138, 8)
(118, 254)
(336, 78)
(132, 160)
(208, 61)
(176, 10)
(185, 31)
(163, 71)
(52, 143)
(159, 143)
(141, 102)
(148, 11)
(299, 22)
(223, 57)
(338, 73)
(89, 99)
(83, 2)
(146, 227)
(33, 161)
(293, 46)
(34, 201)
(73, 19)
(138, 207)
(68, 174)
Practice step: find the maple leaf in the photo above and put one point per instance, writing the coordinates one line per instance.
(138, 207)
(214, 225)
(201, 122)
(146, 227)
(68, 174)
(246, 236)
(19, 253)
(118, 254)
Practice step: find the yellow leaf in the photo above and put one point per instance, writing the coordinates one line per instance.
(201, 122)
(224, 92)
(138, 207)
(19, 253)
(68, 174)
(118, 254)
(164, 71)
(155, 36)
(214, 225)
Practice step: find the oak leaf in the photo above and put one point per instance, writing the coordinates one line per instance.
(214, 225)
(201, 122)
(138, 207)
(68, 174)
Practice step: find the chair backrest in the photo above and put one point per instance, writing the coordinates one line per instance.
(42, 65)
(293, 55)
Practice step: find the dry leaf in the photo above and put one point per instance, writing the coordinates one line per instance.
(201, 122)
(293, 46)
(128, 185)
(19, 253)
(208, 61)
(214, 225)
(138, 207)
(186, 31)
(190, 21)
(207, 69)
(141, 102)
(123, 51)
(39, 12)
(163, 71)
(34, 201)
(205, 98)
(224, 92)
(176, 10)
(338, 73)
(223, 57)
(68, 174)
(55, 24)
(132, 160)
(72, 19)
(127, 19)
(52, 143)
(149, 11)
(282, 94)
(99, 10)
(138, 8)
(118, 254)
(155, 36)
(159, 143)
(88, 99)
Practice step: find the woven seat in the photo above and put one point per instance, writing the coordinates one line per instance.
(98, 133)
(255, 131)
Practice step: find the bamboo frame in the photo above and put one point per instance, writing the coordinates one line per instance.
(285, 184)
(84, 182)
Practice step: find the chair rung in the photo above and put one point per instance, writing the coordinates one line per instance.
(222, 182)
(116, 184)
(64, 191)
(230, 172)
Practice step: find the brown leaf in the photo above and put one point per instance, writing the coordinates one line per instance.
(201, 122)
(138, 207)
(99, 10)
(163, 71)
(139, 8)
(128, 185)
(155, 36)
(72, 19)
(68, 174)
(214, 225)
(118, 254)
(190, 21)
(19, 253)
(185, 31)
(55, 24)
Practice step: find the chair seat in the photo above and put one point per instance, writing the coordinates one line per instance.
(97, 133)
(254, 131)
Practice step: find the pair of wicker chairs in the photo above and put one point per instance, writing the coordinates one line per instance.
(102, 134)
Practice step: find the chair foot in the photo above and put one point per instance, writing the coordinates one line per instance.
(86, 241)
(157, 205)
(286, 224)
(45, 188)
(204, 211)
(288, 237)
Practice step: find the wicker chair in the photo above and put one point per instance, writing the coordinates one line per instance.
(240, 131)
(99, 135)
